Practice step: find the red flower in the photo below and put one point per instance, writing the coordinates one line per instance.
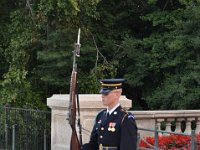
(171, 142)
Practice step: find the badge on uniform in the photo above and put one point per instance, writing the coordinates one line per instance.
(111, 126)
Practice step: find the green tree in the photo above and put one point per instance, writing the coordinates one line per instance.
(38, 48)
(164, 66)
(154, 44)
(15, 87)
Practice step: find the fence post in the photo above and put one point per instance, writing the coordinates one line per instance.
(193, 141)
(13, 137)
(138, 141)
(6, 136)
(6, 129)
(156, 138)
(27, 140)
(45, 140)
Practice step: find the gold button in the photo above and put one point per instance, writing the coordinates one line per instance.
(100, 147)
(101, 137)
(102, 128)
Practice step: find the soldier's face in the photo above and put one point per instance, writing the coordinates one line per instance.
(111, 98)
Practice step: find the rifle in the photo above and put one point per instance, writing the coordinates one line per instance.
(74, 144)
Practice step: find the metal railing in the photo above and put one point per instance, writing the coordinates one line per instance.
(156, 132)
(24, 129)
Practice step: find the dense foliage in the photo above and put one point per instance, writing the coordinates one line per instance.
(154, 44)
(165, 64)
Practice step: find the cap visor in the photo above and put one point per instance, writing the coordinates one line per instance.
(104, 91)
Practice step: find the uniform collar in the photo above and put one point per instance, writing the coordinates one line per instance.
(113, 109)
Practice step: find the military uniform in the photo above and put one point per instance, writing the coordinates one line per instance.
(117, 132)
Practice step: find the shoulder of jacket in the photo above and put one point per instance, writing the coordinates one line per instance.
(100, 113)
(126, 115)
(124, 112)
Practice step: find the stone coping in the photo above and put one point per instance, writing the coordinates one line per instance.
(166, 114)
(87, 101)
(93, 101)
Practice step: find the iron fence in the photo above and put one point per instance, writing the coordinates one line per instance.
(24, 129)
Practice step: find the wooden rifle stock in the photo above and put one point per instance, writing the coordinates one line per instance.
(74, 144)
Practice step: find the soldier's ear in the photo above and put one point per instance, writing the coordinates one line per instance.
(118, 93)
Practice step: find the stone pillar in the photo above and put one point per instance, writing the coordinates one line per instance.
(90, 105)
(197, 131)
(178, 125)
(168, 125)
(188, 129)
(60, 128)
(158, 125)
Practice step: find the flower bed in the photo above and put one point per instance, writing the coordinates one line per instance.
(171, 142)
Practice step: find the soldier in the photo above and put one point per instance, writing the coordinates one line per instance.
(114, 128)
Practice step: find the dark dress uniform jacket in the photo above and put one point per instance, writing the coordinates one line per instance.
(117, 130)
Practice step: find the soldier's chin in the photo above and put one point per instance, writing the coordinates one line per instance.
(105, 104)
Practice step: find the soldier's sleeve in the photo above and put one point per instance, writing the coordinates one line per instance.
(128, 133)
(93, 143)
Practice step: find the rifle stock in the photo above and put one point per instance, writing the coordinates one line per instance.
(74, 144)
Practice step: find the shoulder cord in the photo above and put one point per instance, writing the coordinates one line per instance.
(124, 118)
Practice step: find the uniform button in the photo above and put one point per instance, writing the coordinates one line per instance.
(102, 128)
(100, 146)
(101, 137)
